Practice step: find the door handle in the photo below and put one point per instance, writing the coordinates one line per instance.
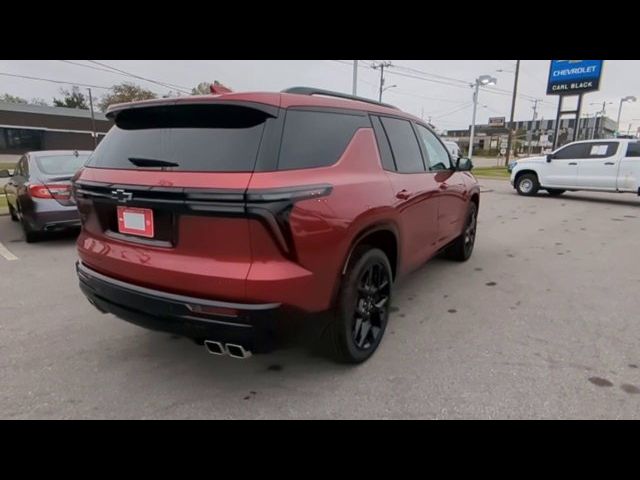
(573, 163)
(443, 186)
(403, 194)
(609, 163)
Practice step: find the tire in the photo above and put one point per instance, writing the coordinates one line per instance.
(462, 247)
(555, 192)
(12, 213)
(352, 337)
(30, 235)
(527, 184)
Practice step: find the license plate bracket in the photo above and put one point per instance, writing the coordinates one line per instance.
(136, 221)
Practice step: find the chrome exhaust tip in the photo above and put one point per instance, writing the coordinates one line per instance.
(237, 351)
(214, 348)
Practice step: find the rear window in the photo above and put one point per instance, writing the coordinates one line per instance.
(316, 139)
(61, 164)
(205, 138)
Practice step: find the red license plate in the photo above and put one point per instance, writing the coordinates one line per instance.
(135, 221)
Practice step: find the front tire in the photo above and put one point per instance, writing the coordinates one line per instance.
(363, 306)
(462, 247)
(527, 184)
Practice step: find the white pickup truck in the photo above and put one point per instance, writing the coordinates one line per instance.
(609, 165)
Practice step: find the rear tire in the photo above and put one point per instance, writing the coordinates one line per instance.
(555, 192)
(362, 312)
(527, 184)
(12, 213)
(30, 235)
(462, 247)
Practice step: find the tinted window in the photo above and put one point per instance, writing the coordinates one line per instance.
(61, 164)
(578, 150)
(383, 145)
(437, 155)
(316, 139)
(633, 150)
(404, 145)
(209, 138)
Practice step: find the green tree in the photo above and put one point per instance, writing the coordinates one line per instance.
(125, 92)
(6, 98)
(72, 99)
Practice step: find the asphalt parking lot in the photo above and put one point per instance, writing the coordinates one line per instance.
(542, 322)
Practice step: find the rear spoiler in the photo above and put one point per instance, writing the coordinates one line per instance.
(114, 110)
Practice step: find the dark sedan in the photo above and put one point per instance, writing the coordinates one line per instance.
(39, 191)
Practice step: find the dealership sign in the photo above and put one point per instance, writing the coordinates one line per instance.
(574, 77)
(497, 121)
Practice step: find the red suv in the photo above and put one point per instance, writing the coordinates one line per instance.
(224, 218)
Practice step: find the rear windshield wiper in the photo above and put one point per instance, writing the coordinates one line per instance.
(150, 162)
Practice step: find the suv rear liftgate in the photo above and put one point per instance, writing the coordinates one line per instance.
(158, 158)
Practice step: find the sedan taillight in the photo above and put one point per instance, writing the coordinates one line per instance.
(59, 191)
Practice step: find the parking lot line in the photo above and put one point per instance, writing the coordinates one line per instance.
(6, 253)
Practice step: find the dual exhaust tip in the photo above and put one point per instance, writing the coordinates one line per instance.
(231, 349)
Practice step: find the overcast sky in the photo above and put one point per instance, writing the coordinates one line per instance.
(446, 100)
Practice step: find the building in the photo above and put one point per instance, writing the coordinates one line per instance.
(531, 136)
(33, 127)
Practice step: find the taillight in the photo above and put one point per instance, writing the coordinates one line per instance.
(59, 191)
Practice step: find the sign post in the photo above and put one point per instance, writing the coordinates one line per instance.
(572, 77)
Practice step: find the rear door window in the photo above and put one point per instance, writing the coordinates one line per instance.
(314, 139)
(404, 145)
(204, 138)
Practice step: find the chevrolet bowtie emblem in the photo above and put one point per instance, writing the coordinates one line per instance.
(121, 195)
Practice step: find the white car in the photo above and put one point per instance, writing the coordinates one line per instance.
(609, 165)
(453, 148)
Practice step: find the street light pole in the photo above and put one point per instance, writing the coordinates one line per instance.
(473, 119)
(354, 88)
(513, 108)
(481, 80)
(630, 98)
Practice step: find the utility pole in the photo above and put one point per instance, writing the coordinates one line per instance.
(533, 123)
(93, 120)
(355, 78)
(381, 66)
(513, 109)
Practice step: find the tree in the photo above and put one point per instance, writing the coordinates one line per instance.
(6, 98)
(125, 92)
(73, 98)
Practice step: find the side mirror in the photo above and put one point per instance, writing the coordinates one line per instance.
(464, 164)
(4, 174)
(549, 157)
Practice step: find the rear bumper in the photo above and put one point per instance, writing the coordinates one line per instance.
(254, 326)
(53, 218)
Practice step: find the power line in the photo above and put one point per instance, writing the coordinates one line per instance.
(54, 81)
(167, 85)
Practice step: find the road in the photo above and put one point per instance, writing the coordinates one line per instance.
(542, 322)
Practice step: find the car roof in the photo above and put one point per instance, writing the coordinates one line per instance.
(274, 99)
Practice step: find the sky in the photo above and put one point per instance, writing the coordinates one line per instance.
(441, 92)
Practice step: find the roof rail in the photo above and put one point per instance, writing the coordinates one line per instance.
(329, 93)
